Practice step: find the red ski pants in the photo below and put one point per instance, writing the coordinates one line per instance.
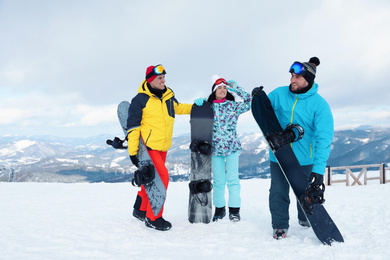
(158, 158)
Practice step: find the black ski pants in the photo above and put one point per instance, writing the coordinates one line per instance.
(279, 199)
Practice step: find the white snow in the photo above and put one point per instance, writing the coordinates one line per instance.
(364, 140)
(18, 146)
(94, 221)
(67, 160)
(85, 156)
(262, 146)
(23, 144)
(115, 162)
(90, 147)
(183, 147)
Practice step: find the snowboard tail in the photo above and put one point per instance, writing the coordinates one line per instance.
(322, 224)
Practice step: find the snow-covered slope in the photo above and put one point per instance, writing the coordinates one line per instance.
(93, 221)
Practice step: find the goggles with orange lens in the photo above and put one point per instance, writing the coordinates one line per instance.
(157, 70)
(220, 81)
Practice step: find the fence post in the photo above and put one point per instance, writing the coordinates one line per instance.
(383, 174)
(329, 177)
(11, 174)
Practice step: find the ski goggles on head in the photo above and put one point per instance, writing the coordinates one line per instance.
(298, 68)
(220, 81)
(157, 70)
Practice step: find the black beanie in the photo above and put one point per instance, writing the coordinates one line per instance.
(311, 68)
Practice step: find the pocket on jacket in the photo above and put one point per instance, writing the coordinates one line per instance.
(170, 107)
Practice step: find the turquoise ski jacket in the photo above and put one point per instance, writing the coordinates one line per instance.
(313, 113)
(225, 138)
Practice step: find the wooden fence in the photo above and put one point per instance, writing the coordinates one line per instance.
(355, 176)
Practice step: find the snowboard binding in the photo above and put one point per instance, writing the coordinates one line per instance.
(202, 147)
(117, 143)
(313, 195)
(292, 133)
(198, 187)
(143, 175)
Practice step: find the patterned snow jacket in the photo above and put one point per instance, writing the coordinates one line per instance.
(313, 113)
(225, 139)
(153, 118)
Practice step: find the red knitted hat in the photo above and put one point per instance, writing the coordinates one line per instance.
(151, 73)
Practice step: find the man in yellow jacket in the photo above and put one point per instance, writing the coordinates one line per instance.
(151, 116)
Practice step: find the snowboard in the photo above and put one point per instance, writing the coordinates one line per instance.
(322, 224)
(152, 182)
(200, 200)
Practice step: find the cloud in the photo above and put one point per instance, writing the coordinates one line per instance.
(68, 63)
(92, 116)
(11, 115)
(368, 115)
(42, 109)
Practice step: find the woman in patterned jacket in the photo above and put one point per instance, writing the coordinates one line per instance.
(226, 146)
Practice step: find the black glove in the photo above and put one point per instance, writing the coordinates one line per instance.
(257, 91)
(134, 160)
(116, 143)
(316, 179)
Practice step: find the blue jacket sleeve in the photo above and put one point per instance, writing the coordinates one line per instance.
(324, 130)
(244, 106)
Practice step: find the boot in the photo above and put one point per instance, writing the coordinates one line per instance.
(159, 224)
(234, 214)
(280, 233)
(139, 214)
(304, 223)
(220, 213)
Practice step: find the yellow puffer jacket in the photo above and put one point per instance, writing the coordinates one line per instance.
(153, 118)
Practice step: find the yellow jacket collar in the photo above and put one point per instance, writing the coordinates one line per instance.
(143, 88)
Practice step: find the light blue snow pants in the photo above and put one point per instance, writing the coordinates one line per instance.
(225, 171)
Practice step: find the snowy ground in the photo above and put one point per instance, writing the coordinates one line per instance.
(93, 221)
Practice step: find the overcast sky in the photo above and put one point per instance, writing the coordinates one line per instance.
(65, 65)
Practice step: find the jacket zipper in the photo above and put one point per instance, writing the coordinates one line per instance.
(292, 112)
(311, 151)
(147, 139)
(292, 116)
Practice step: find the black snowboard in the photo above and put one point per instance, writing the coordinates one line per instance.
(155, 188)
(200, 202)
(319, 219)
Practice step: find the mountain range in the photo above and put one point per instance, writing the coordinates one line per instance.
(54, 159)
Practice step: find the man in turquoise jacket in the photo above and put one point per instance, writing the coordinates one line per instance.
(300, 103)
